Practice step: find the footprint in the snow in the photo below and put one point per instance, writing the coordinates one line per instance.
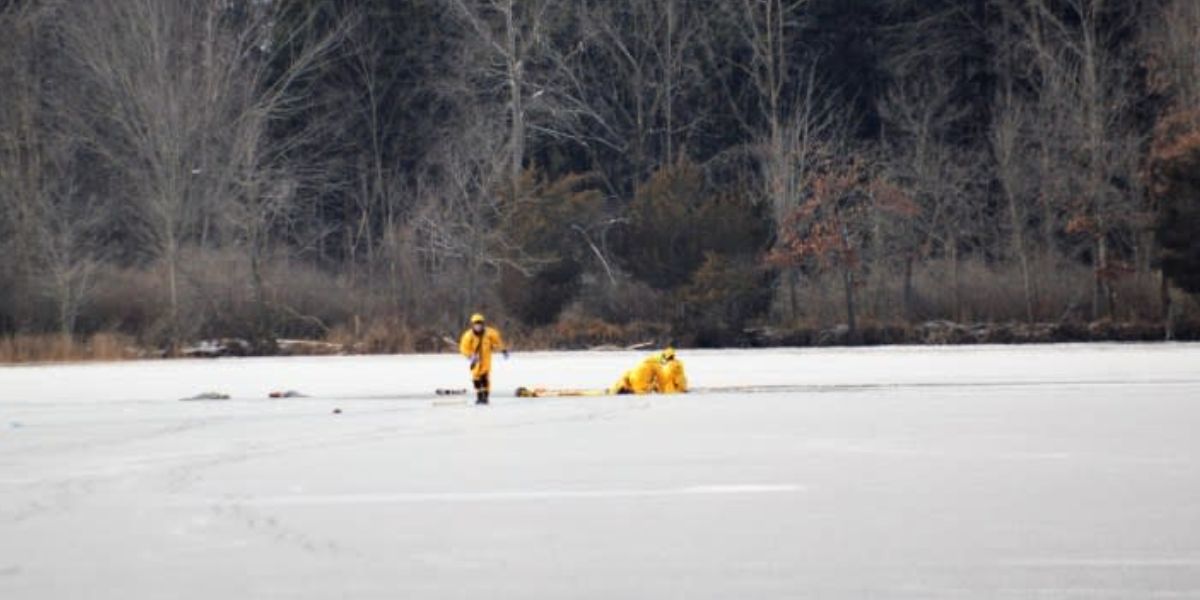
(273, 529)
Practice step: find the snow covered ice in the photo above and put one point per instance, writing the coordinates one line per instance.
(966, 472)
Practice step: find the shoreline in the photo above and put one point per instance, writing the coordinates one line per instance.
(930, 333)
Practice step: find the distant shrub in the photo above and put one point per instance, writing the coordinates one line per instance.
(25, 348)
(538, 300)
(128, 300)
(1175, 183)
(548, 224)
(723, 295)
(621, 299)
(580, 332)
(675, 218)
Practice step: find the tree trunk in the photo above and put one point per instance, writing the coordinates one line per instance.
(517, 127)
(264, 330)
(66, 319)
(669, 80)
(172, 259)
(1018, 235)
(793, 301)
(848, 282)
(1164, 298)
(908, 290)
(1168, 315)
(1110, 292)
(1101, 290)
(956, 277)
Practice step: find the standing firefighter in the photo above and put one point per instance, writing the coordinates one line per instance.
(478, 343)
(671, 378)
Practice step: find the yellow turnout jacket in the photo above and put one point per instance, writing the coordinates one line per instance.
(642, 379)
(481, 346)
(671, 378)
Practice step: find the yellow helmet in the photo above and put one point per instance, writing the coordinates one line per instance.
(476, 318)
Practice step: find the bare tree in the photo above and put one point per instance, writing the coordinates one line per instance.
(522, 61)
(793, 118)
(1087, 91)
(378, 179)
(150, 111)
(463, 200)
(180, 99)
(785, 110)
(470, 185)
(642, 69)
(1030, 142)
(1009, 151)
(54, 225)
(921, 111)
(21, 158)
(815, 128)
(1173, 44)
(69, 253)
(260, 176)
(512, 33)
(768, 30)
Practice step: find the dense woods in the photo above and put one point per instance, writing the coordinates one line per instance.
(712, 171)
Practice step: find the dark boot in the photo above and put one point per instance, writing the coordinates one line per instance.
(481, 397)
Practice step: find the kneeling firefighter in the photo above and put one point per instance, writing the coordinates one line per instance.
(642, 379)
(477, 344)
(671, 378)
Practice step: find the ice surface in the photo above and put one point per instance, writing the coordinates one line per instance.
(965, 472)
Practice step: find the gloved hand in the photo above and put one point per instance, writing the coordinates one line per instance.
(505, 353)
(474, 360)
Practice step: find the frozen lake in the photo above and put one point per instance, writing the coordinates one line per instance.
(919, 473)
